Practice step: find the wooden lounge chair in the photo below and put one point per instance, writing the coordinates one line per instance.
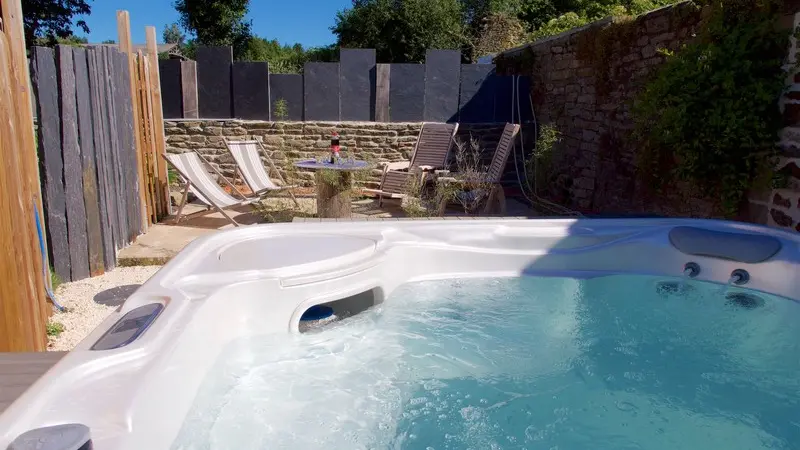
(248, 163)
(192, 167)
(495, 201)
(430, 153)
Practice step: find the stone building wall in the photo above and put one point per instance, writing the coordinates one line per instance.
(586, 91)
(292, 141)
(781, 207)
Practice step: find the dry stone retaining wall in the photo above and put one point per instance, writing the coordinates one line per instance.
(292, 141)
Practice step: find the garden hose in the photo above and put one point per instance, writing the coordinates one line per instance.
(45, 269)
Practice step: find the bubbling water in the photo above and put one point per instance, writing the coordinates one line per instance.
(607, 363)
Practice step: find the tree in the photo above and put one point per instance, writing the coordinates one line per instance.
(401, 30)
(173, 35)
(217, 22)
(109, 41)
(51, 19)
(286, 58)
(498, 32)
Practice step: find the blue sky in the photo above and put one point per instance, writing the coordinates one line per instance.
(305, 21)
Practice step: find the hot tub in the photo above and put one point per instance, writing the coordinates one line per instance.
(448, 334)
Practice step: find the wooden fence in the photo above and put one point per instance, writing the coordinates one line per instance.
(23, 307)
(104, 182)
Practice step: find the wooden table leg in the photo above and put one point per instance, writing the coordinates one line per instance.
(333, 194)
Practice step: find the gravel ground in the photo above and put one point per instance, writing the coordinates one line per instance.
(90, 301)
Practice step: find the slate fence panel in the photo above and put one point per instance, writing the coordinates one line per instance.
(355, 89)
(87, 153)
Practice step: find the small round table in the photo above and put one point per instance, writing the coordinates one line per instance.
(334, 184)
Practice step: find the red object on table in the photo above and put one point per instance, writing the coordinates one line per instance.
(334, 147)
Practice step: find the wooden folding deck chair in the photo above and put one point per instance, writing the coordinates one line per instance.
(430, 153)
(191, 166)
(496, 200)
(248, 164)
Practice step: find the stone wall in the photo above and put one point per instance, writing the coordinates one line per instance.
(781, 207)
(292, 141)
(588, 95)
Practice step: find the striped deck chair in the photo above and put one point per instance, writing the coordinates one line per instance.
(248, 163)
(495, 197)
(192, 167)
(430, 153)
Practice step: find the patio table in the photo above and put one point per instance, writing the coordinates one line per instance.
(335, 186)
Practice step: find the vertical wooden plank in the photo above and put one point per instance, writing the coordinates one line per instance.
(189, 89)
(86, 138)
(21, 282)
(14, 332)
(383, 77)
(12, 19)
(148, 145)
(99, 135)
(158, 119)
(45, 81)
(115, 163)
(73, 170)
(124, 31)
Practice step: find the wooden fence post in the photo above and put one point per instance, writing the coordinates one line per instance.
(22, 274)
(125, 45)
(158, 123)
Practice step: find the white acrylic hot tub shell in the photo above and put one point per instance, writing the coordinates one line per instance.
(261, 279)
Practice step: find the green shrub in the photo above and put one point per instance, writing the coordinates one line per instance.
(280, 109)
(54, 329)
(55, 280)
(538, 164)
(710, 115)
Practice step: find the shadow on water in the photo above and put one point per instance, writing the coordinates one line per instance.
(714, 355)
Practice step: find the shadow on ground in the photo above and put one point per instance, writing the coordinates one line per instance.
(116, 296)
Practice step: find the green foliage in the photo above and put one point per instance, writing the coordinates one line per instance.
(710, 116)
(280, 109)
(109, 41)
(401, 31)
(55, 280)
(498, 32)
(566, 15)
(285, 58)
(51, 19)
(538, 165)
(54, 329)
(280, 210)
(172, 176)
(217, 22)
(560, 24)
(173, 34)
(72, 40)
(415, 203)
